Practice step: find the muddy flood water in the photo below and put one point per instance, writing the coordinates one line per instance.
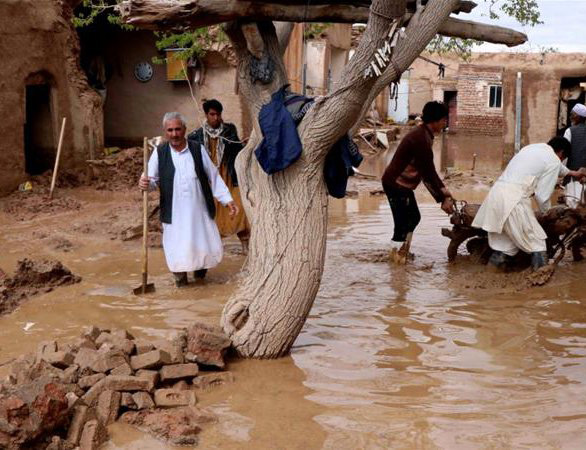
(431, 355)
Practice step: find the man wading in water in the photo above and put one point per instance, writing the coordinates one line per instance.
(507, 214)
(221, 141)
(189, 182)
(411, 164)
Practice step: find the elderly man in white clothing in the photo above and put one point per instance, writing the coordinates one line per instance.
(189, 182)
(576, 134)
(507, 214)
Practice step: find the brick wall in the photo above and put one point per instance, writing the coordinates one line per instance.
(474, 114)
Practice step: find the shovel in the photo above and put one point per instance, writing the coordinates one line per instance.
(145, 287)
(542, 275)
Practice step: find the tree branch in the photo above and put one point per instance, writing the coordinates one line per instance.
(467, 29)
(171, 14)
(284, 30)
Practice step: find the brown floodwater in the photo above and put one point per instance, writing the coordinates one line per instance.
(390, 357)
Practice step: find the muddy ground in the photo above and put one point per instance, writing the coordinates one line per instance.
(431, 355)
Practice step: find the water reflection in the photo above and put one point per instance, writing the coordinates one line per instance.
(390, 357)
(453, 151)
(408, 358)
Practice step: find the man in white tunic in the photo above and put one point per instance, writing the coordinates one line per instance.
(507, 214)
(189, 182)
(576, 134)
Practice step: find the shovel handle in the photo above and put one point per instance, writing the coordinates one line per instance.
(145, 219)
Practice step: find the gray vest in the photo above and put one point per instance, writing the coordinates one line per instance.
(577, 156)
(167, 174)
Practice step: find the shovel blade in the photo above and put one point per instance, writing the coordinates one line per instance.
(144, 289)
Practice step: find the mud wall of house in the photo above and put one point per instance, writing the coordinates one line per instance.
(475, 116)
(134, 109)
(420, 92)
(541, 78)
(542, 74)
(39, 45)
(317, 63)
(293, 58)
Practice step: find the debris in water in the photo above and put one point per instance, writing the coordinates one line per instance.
(541, 276)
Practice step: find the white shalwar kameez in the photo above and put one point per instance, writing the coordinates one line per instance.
(574, 190)
(507, 214)
(191, 241)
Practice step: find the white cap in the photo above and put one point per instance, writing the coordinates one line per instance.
(579, 109)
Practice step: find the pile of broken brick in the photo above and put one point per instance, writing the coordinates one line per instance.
(65, 396)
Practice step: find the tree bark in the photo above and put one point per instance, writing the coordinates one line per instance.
(287, 211)
(284, 30)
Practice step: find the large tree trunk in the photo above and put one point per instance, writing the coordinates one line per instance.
(288, 210)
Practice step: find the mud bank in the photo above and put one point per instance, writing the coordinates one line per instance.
(32, 278)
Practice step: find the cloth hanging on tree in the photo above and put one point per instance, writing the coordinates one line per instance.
(280, 150)
(281, 145)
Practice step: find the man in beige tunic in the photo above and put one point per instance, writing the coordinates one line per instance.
(221, 141)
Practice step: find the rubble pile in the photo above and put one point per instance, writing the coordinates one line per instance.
(65, 396)
(372, 141)
(118, 171)
(33, 277)
(28, 205)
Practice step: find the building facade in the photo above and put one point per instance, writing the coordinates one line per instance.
(481, 93)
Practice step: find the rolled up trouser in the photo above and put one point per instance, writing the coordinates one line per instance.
(573, 192)
(521, 231)
(405, 211)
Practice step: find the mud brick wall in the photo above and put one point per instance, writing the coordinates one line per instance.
(39, 46)
(474, 114)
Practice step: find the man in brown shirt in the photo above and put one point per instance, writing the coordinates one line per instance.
(412, 163)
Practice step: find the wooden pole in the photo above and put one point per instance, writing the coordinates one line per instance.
(56, 168)
(518, 109)
(145, 218)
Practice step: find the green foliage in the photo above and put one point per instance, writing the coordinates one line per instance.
(193, 43)
(87, 12)
(313, 30)
(526, 12)
(462, 47)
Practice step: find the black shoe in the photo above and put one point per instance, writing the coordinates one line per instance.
(538, 260)
(200, 274)
(498, 260)
(180, 279)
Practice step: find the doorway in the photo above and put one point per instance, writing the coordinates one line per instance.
(572, 91)
(39, 141)
(451, 102)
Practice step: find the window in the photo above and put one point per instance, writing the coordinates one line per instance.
(495, 97)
